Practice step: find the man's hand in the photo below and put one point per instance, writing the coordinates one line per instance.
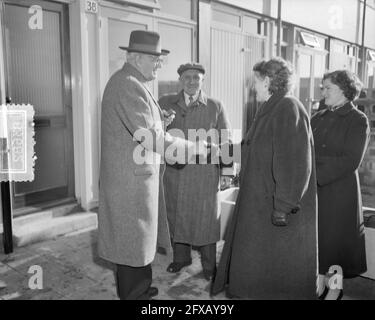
(225, 182)
(169, 116)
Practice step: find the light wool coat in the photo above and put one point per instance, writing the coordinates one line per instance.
(132, 213)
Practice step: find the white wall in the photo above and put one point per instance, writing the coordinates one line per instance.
(85, 91)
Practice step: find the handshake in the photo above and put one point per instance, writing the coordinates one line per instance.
(203, 152)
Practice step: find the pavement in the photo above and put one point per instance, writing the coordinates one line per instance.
(72, 270)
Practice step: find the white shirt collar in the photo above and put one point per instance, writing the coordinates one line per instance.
(187, 97)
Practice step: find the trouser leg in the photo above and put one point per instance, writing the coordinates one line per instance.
(133, 282)
(208, 256)
(181, 252)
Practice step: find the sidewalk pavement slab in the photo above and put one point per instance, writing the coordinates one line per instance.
(72, 270)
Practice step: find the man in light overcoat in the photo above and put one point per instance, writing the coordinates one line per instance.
(132, 215)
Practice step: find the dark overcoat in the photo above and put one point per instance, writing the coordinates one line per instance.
(132, 215)
(341, 137)
(261, 260)
(191, 191)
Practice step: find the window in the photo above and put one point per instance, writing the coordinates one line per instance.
(251, 25)
(181, 52)
(153, 4)
(181, 8)
(227, 18)
(309, 39)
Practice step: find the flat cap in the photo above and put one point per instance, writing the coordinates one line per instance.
(190, 66)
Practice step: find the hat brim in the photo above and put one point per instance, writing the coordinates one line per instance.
(162, 53)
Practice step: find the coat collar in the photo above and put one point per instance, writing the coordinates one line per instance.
(270, 103)
(131, 70)
(180, 99)
(343, 111)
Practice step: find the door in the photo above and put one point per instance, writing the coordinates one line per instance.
(37, 72)
(311, 65)
(233, 55)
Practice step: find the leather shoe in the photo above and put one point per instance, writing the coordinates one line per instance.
(152, 291)
(324, 294)
(177, 266)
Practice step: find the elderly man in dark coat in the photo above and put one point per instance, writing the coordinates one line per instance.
(132, 216)
(270, 249)
(191, 191)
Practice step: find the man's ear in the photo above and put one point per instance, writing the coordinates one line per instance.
(138, 60)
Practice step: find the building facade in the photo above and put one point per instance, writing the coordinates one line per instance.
(58, 56)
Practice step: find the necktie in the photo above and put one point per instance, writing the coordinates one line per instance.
(191, 100)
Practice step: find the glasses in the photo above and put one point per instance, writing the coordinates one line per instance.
(155, 59)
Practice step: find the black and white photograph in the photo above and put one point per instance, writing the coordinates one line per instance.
(187, 154)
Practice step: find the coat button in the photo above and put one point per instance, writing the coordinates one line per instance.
(323, 145)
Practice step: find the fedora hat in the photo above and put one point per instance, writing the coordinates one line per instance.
(145, 42)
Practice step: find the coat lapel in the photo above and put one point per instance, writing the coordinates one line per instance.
(128, 68)
(154, 100)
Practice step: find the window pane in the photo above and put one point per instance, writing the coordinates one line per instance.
(304, 67)
(180, 8)
(118, 35)
(250, 25)
(319, 69)
(226, 18)
(181, 52)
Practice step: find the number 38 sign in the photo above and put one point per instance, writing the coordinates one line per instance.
(16, 143)
(91, 6)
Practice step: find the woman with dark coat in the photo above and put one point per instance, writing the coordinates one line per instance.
(341, 135)
(270, 245)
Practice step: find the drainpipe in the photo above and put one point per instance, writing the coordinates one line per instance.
(279, 30)
(363, 55)
(5, 196)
